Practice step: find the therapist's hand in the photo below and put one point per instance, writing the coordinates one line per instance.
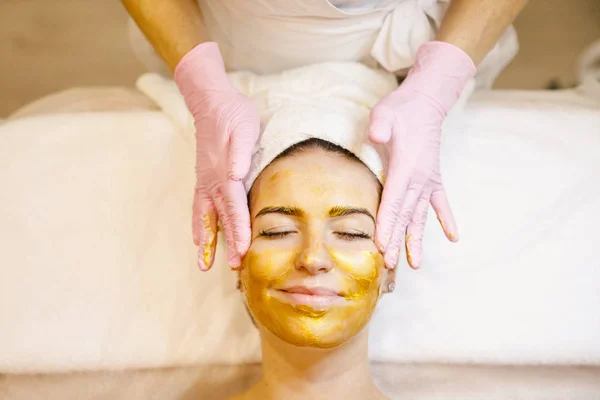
(409, 121)
(227, 127)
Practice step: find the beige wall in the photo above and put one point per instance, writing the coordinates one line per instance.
(49, 45)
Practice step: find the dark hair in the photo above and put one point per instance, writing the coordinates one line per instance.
(328, 147)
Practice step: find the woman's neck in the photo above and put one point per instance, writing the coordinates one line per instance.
(291, 372)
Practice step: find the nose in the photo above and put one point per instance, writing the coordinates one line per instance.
(314, 258)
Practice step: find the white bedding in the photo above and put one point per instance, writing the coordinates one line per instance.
(98, 266)
(523, 284)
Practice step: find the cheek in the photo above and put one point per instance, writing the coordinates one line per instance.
(263, 269)
(266, 267)
(363, 264)
(362, 270)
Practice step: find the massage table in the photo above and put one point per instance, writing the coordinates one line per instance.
(100, 297)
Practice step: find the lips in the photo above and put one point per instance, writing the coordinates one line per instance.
(318, 298)
(314, 291)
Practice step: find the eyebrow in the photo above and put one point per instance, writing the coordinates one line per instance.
(337, 211)
(340, 211)
(293, 211)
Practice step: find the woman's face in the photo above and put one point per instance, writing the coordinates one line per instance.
(313, 275)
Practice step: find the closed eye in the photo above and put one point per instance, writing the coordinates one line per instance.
(275, 234)
(350, 236)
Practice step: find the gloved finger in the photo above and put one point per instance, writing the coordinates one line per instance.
(390, 258)
(204, 228)
(394, 191)
(381, 124)
(415, 231)
(236, 203)
(440, 204)
(242, 141)
(197, 207)
(233, 258)
(404, 217)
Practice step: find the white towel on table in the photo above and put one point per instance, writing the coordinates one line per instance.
(99, 272)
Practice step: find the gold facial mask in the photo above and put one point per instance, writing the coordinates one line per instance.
(359, 272)
(314, 286)
(209, 247)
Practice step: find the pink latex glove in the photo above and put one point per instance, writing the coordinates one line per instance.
(227, 127)
(409, 121)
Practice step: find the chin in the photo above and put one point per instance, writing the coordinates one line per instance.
(304, 340)
(319, 334)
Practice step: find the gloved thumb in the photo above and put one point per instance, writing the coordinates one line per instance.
(241, 144)
(380, 128)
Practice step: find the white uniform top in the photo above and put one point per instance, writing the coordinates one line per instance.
(270, 36)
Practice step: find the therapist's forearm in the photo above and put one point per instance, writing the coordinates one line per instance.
(173, 27)
(475, 26)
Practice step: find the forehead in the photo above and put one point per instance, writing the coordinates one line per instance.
(315, 180)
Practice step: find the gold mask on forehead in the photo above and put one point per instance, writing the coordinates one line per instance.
(315, 183)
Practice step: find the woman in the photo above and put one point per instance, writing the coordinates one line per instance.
(313, 275)
(272, 36)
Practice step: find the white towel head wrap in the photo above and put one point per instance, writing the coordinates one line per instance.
(329, 101)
